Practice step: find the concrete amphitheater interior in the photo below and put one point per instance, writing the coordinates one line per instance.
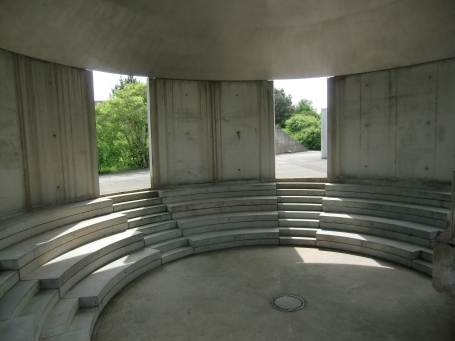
(218, 248)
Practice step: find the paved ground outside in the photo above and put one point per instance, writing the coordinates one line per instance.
(296, 165)
(225, 295)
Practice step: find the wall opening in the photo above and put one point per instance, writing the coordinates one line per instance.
(300, 122)
(121, 132)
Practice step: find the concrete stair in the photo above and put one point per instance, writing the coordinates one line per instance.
(398, 224)
(299, 208)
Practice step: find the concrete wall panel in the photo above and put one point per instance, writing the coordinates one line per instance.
(215, 131)
(52, 109)
(393, 125)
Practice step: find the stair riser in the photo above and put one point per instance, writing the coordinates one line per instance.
(301, 200)
(302, 232)
(136, 204)
(239, 243)
(133, 196)
(297, 185)
(166, 225)
(299, 242)
(377, 232)
(228, 203)
(299, 207)
(170, 246)
(145, 211)
(422, 268)
(386, 214)
(217, 195)
(162, 237)
(238, 225)
(11, 279)
(13, 305)
(233, 238)
(224, 210)
(427, 256)
(59, 319)
(297, 223)
(171, 257)
(135, 222)
(299, 214)
(204, 221)
(300, 192)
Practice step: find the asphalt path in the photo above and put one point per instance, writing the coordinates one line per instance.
(290, 165)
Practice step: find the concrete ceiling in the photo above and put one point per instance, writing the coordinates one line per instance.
(230, 39)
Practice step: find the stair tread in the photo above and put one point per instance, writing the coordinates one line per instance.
(59, 319)
(16, 298)
(7, 280)
(205, 235)
(226, 215)
(167, 242)
(176, 250)
(148, 216)
(297, 238)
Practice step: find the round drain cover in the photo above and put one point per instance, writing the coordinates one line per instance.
(288, 302)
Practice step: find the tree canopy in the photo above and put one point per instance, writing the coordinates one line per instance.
(121, 123)
(283, 106)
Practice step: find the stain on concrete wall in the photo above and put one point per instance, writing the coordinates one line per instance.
(393, 124)
(205, 132)
(47, 134)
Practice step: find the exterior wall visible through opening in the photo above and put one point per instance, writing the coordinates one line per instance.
(393, 125)
(209, 132)
(47, 134)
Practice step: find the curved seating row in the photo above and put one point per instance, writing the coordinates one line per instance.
(58, 277)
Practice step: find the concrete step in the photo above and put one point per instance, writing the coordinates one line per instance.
(157, 227)
(400, 226)
(15, 299)
(81, 327)
(40, 306)
(180, 252)
(225, 236)
(124, 197)
(299, 214)
(298, 223)
(403, 195)
(427, 254)
(301, 241)
(403, 250)
(299, 199)
(66, 270)
(300, 185)
(148, 219)
(298, 232)
(158, 237)
(237, 243)
(33, 252)
(128, 205)
(230, 226)
(428, 215)
(299, 207)
(423, 266)
(324, 180)
(99, 287)
(170, 244)
(27, 225)
(144, 211)
(300, 192)
(20, 329)
(201, 191)
(7, 280)
(59, 319)
(220, 195)
(221, 205)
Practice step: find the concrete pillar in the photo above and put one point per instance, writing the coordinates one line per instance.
(210, 132)
(324, 133)
(47, 134)
(452, 220)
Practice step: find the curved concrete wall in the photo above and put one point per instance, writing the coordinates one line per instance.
(393, 125)
(47, 134)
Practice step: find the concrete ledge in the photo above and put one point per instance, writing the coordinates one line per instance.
(144, 211)
(299, 207)
(313, 215)
(139, 195)
(156, 227)
(298, 223)
(177, 253)
(16, 229)
(127, 205)
(298, 232)
(170, 244)
(300, 241)
(299, 199)
(158, 237)
(148, 219)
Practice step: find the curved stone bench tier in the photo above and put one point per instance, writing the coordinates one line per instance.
(27, 225)
(410, 212)
(31, 253)
(68, 269)
(402, 195)
(195, 193)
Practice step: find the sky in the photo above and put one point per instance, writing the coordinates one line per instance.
(314, 89)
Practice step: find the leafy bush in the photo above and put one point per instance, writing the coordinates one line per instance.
(306, 129)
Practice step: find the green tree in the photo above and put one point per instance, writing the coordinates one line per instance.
(122, 83)
(121, 123)
(283, 106)
(305, 106)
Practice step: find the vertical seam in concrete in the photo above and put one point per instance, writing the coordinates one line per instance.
(396, 119)
(435, 120)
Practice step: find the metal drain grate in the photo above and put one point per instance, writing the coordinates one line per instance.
(288, 302)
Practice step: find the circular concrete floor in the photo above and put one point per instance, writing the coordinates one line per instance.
(225, 295)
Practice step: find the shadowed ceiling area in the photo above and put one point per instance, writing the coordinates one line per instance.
(230, 40)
